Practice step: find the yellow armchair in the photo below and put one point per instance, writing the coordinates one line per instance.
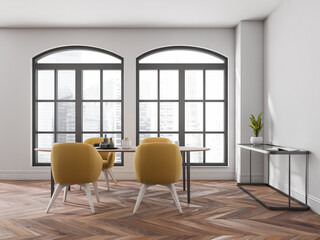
(75, 163)
(157, 163)
(107, 157)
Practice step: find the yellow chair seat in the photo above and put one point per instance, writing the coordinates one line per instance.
(157, 163)
(106, 163)
(108, 159)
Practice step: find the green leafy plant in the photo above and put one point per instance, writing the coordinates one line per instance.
(256, 125)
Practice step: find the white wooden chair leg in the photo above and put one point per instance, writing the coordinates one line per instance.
(105, 172)
(142, 191)
(55, 195)
(65, 193)
(88, 193)
(111, 175)
(174, 196)
(96, 192)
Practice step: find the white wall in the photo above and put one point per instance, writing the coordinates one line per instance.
(292, 86)
(18, 46)
(249, 95)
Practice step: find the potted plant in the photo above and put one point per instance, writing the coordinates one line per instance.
(256, 125)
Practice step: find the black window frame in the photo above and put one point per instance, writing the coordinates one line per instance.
(182, 67)
(78, 67)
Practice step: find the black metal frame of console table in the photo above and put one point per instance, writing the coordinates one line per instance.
(303, 206)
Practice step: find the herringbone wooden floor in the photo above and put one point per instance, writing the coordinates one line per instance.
(219, 210)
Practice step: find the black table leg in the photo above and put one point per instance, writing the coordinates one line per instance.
(52, 184)
(306, 181)
(183, 170)
(188, 175)
(289, 180)
(268, 169)
(250, 166)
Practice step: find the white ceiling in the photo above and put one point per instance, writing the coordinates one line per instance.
(132, 13)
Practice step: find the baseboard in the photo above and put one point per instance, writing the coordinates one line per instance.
(255, 178)
(314, 203)
(120, 174)
(43, 174)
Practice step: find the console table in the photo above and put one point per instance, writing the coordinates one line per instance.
(268, 150)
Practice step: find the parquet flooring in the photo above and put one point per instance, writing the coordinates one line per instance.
(218, 210)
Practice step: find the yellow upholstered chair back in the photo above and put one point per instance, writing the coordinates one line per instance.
(110, 157)
(155, 140)
(157, 163)
(75, 163)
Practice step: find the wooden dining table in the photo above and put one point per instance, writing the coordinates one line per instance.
(185, 152)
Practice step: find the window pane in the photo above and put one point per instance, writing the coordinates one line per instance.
(66, 84)
(148, 116)
(169, 84)
(148, 85)
(45, 84)
(66, 119)
(91, 116)
(45, 116)
(89, 135)
(146, 135)
(173, 137)
(214, 85)
(44, 141)
(216, 143)
(118, 157)
(169, 116)
(61, 138)
(91, 84)
(194, 116)
(214, 116)
(117, 141)
(112, 84)
(194, 85)
(79, 56)
(195, 140)
(111, 116)
(181, 56)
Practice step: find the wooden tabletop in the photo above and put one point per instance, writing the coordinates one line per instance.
(133, 149)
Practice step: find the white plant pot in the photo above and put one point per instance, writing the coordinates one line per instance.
(126, 143)
(256, 140)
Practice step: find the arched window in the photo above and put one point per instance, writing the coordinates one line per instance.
(77, 94)
(182, 94)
